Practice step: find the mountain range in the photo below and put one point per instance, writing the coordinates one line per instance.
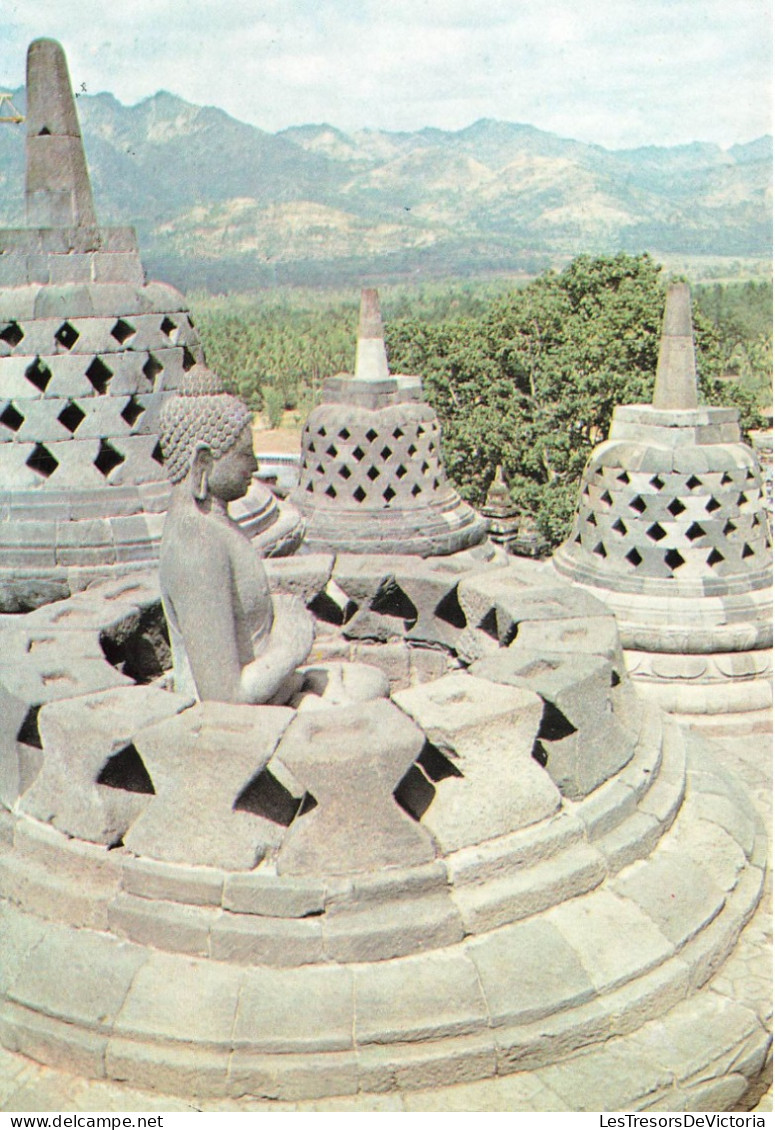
(224, 205)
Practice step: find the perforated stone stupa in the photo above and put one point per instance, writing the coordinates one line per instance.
(671, 531)
(88, 351)
(372, 477)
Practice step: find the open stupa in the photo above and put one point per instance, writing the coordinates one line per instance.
(372, 479)
(671, 531)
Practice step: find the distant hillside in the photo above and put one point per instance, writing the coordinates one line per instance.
(221, 204)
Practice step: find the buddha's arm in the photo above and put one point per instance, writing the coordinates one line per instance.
(200, 585)
(288, 645)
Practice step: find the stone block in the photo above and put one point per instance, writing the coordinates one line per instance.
(675, 893)
(635, 838)
(88, 867)
(529, 890)
(528, 971)
(45, 1039)
(442, 1063)
(427, 664)
(193, 818)
(394, 929)
(609, 1078)
(680, 1042)
(575, 634)
(161, 925)
(581, 742)
(483, 779)
(606, 807)
(93, 783)
(295, 1010)
(21, 934)
(60, 977)
(421, 998)
(254, 940)
(273, 897)
(181, 999)
(305, 577)
(117, 267)
(735, 818)
(520, 849)
(146, 878)
(614, 940)
(392, 659)
(293, 1077)
(169, 1068)
(351, 759)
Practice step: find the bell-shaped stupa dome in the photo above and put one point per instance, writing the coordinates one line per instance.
(672, 532)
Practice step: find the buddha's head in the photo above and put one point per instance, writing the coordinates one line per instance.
(206, 438)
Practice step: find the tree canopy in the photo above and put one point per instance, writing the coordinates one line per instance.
(532, 382)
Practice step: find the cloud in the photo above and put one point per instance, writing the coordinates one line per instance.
(617, 72)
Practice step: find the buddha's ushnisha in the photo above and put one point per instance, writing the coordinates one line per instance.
(231, 642)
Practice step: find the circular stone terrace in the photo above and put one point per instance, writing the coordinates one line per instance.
(346, 904)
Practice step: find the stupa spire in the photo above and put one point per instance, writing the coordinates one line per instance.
(676, 383)
(371, 362)
(57, 191)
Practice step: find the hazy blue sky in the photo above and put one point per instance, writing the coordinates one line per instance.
(616, 72)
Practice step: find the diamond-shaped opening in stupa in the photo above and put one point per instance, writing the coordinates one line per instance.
(12, 334)
(38, 374)
(71, 416)
(122, 331)
(98, 374)
(42, 461)
(67, 335)
(11, 417)
(107, 458)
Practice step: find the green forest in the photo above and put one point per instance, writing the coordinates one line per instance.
(526, 377)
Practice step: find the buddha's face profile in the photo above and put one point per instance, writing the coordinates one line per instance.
(229, 477)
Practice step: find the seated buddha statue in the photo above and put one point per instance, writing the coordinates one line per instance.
(231, 640)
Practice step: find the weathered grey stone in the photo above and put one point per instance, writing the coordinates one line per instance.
(615, 941)
(391, 929)
(273, 897)
(255, 940)
(184, 999)
(418, 998)
(161, 925)
(193, 818)
(152, 880)
(351, 760)
(581, 741)
(59, 980)
(89, 738)
(675, 893)
(528, 890)
(483, 778)
(296, 1010)
(547, 976)
(57, 191)
(330, 685)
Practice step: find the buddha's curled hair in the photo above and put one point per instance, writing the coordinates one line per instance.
(201, 411)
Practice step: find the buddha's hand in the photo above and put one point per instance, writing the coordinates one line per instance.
(290, 642)
(293, 628)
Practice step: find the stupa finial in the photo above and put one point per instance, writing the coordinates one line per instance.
(676, 383)
(58, 192)
(371, 362)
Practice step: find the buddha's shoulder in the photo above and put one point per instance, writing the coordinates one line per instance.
(194, 537)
